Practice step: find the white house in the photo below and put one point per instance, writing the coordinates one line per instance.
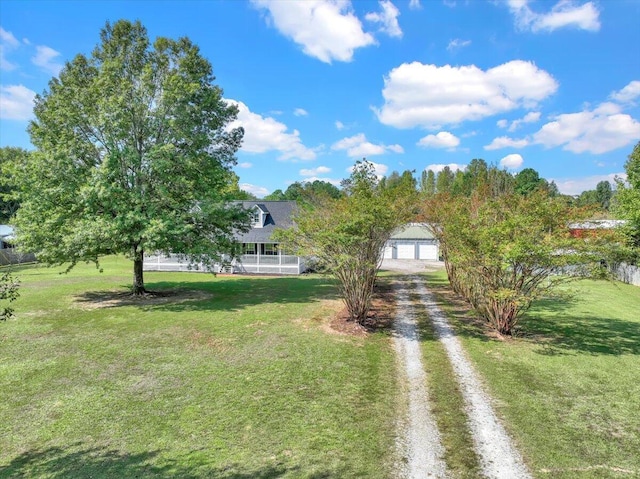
(260, 254)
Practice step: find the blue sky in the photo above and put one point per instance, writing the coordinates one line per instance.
(408, 84)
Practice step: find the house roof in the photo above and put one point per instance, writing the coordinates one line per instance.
(414, 231)
(279, 214)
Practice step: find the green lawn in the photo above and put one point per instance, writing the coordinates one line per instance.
(242, 380)
(569, 385)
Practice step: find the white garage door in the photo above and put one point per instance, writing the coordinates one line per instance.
(388, 252)
(406, 251)
(428, 251)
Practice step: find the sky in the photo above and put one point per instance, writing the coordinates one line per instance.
(406, 84)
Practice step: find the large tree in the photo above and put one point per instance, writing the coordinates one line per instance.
(347, 235)
(134, 154)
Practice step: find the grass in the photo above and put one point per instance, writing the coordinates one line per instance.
(237, 379)
(568, 386)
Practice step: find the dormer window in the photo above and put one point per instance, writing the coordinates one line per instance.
(258, 216)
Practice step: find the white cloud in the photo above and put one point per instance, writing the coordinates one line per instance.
(388, 17)
(245, 165)
(431, 96)
(339, 125)
(575, 186)
(457, 43)
(267, 134)
(7, 42)
(379, 169)
(333, 181)
(628, 93)
(16, 102)
(444, 139)
(300, 112)
(415, 4)
(436, 168)
(502, 123)
(597, 131)
(358, 146)
(259, 191)
(326, 29)
(320, 170)
(512, 161)
(565, 13)
(531, 117)
(506, 142)
(44, 58)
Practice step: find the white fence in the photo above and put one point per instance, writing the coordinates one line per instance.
(627, 273)
(251, 263)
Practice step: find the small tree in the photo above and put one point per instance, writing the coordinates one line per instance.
(504, 252)
(8, 294)
(134, 155)
(347, 235)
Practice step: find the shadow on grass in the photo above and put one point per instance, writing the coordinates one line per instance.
(58, 463)
(559, 332)
(219, 294)
(550, 324)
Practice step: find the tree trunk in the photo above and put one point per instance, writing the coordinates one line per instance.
(138, 278)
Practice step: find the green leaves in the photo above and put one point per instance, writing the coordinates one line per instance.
(132, 143)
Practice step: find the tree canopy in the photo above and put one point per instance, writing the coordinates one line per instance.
(347, 235)
(305, 192)
(134, 155)
(8, 203)
(627, 199)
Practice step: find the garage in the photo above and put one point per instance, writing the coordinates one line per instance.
(412, 241)
(428, 251)
(406, 251)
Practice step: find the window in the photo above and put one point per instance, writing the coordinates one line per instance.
(249, 248)
(270, 249)
(255, 218)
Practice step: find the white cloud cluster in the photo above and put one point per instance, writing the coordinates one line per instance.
(16, 102)
(531, 117)
(387, 17)
(259, 191)
(628, 93)
(512, 161)
(7, 42)
(506, 142)
(575, 186)
(565, 13)
(45, 59)
(320, 170)
(443, 139)
(603, 129)
(379, 169)
(596, 131)
(326, 29)
(457, 44)
(430, 96)
(300, 112)
(267, 134)
(437, 168)
(245, 165)
(415, 4)
(357, 146)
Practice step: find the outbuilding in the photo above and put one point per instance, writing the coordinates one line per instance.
(412, 241)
